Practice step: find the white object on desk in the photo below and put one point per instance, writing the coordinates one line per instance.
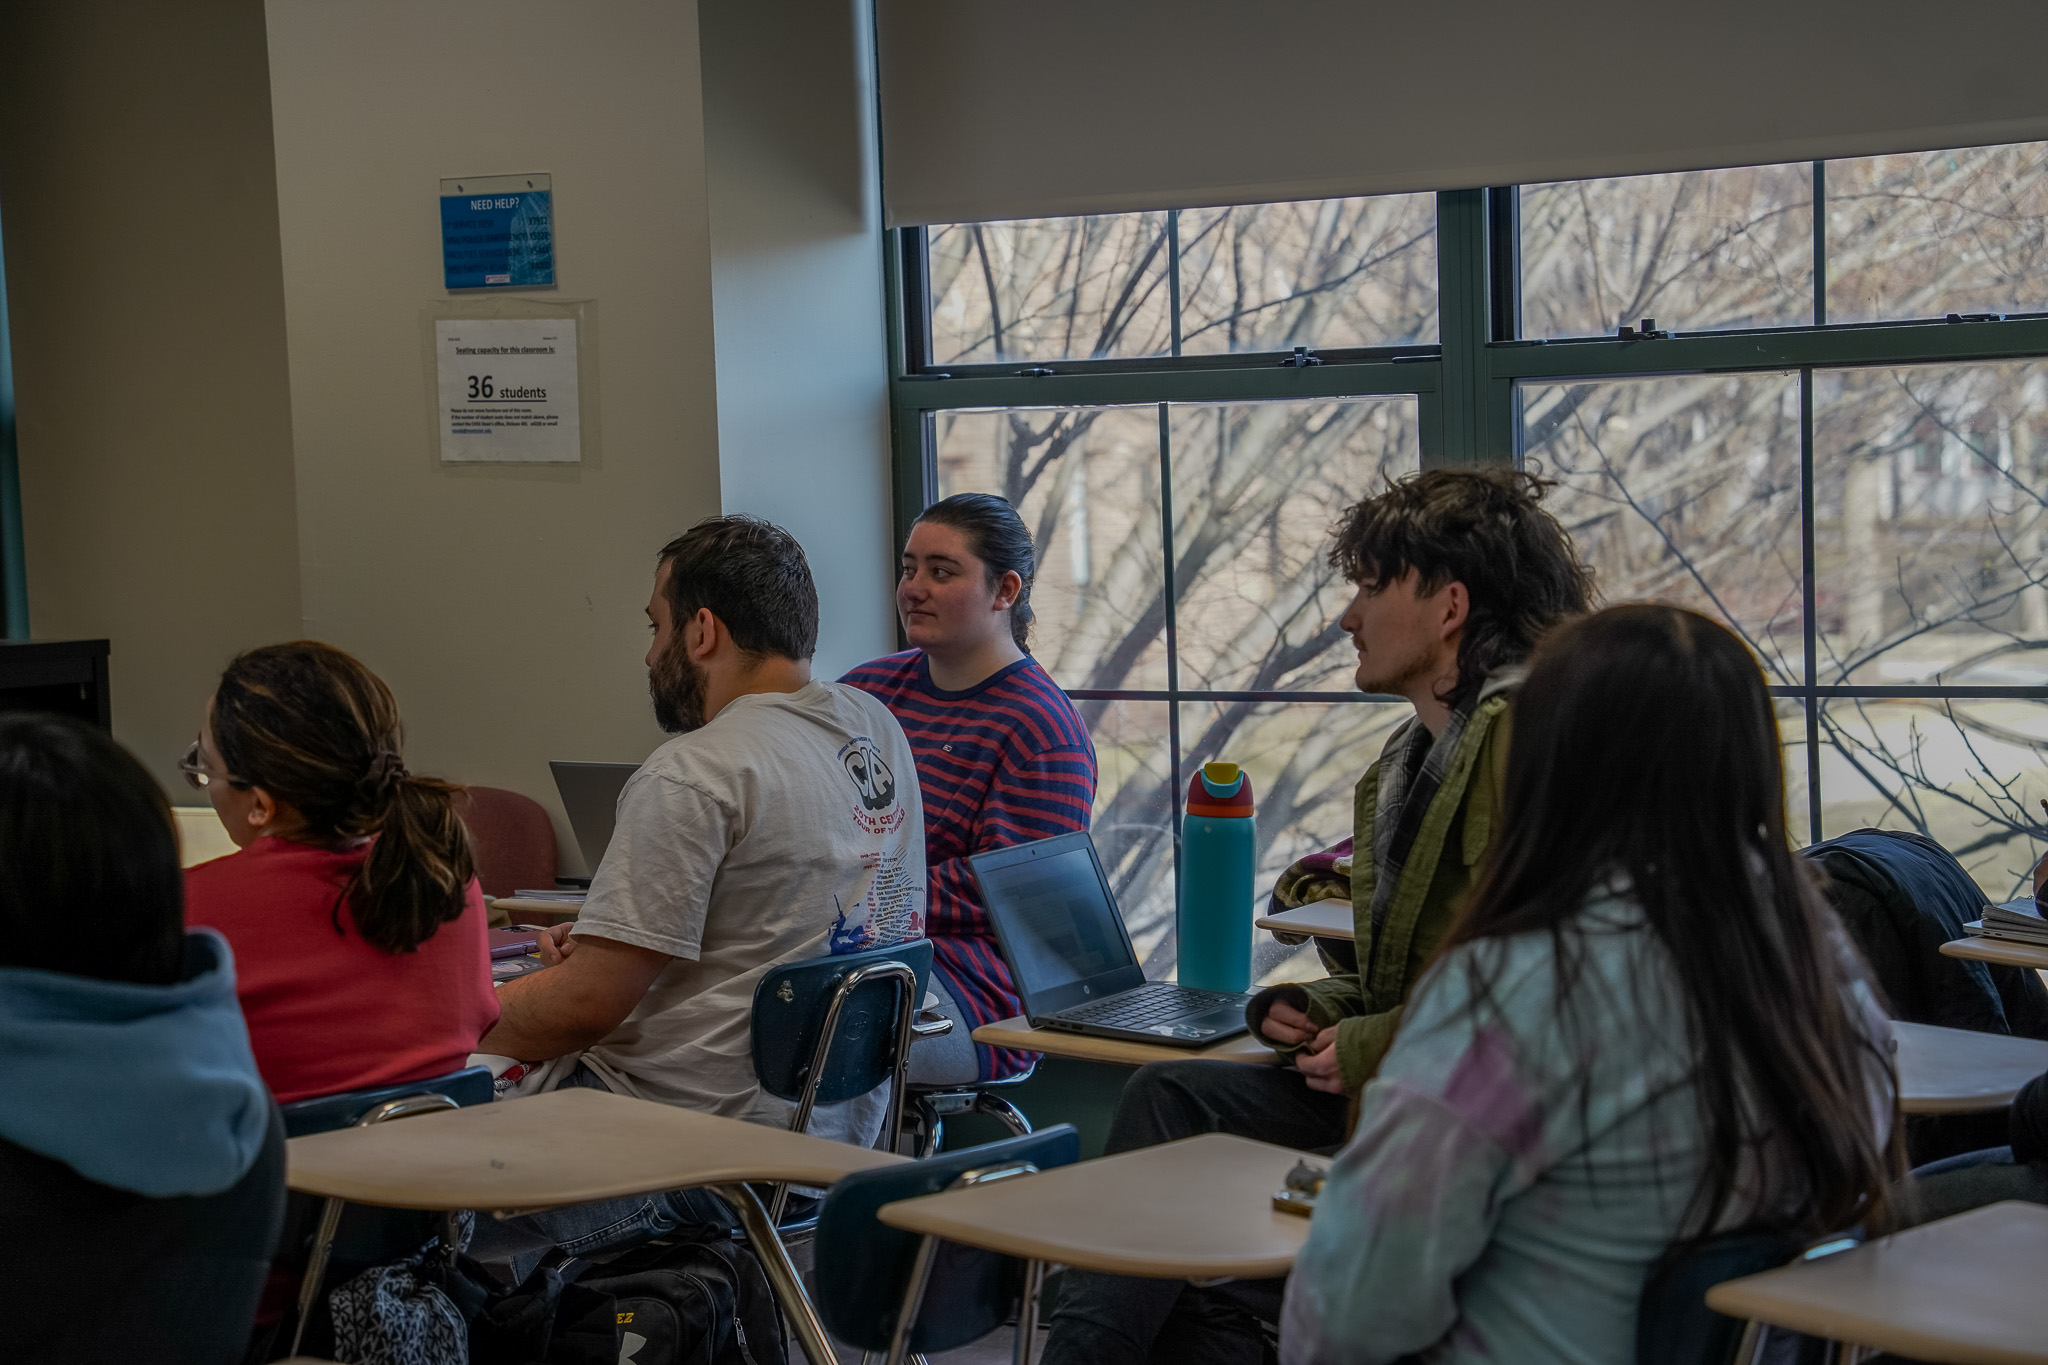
(1317, 919)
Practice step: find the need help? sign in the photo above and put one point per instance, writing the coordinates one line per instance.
(498, 231)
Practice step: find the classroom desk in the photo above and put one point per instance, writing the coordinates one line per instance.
(1317, 919)
(521, 910)
(1018, 1033)
(2003, 951)
(1197, 1209)
(1961, 1290)
(1954, 1071)
(574, 1146)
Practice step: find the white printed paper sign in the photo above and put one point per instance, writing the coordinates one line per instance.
(508, 390)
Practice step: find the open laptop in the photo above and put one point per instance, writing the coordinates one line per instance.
(590, 798)
(1072, 960)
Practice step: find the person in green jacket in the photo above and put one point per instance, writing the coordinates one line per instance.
(1458, 573)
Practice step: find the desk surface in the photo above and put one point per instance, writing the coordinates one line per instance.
(1194, 1209)
(1317, 919)
(565, 1147)
(1018, 1033)
(2004, 951)
(521, 910)
(1954, 1071)
(1960, 1290)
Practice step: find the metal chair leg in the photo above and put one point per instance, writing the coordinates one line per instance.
(913, 1300)
(782, 1275)
(1749, 1351)
(1027, 1312)
(316, 1267)
(1005, 1113)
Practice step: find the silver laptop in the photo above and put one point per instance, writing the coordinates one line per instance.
(590, 797)
(1072, 959)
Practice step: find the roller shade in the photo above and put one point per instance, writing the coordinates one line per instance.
(994, 109)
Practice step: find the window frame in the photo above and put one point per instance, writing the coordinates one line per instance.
(1466, 388)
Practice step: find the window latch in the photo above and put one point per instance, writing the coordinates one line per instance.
(1645, 330)
(1036, 371)
(1976, 317)
(1300, 360)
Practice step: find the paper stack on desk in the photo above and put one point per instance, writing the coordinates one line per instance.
(2020, 920)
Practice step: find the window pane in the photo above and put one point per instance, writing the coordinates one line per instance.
(1967, 773)
(1928, 523)
(1929, 233)
(1683, 490)
(1050, 289)
(1133, 824)
(1086, 480)
(1256, 490)
(1792, 749)
(1698, 251)
(1325, 273)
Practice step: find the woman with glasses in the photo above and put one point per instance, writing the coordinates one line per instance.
(361, 953)
(1647, 1029)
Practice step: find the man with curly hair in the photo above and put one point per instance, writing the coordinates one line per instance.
(1457, 574)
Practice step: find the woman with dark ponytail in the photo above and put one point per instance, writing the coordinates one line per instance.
(1002, 757)
(352, 906)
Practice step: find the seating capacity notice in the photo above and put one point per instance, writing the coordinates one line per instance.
(508, 390)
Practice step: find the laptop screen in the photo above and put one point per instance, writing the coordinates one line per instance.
(1053, 913)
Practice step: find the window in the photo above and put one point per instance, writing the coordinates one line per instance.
(1818, 455)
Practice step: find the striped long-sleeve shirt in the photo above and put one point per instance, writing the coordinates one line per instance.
(1004, 762)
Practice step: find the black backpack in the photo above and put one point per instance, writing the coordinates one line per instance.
(695, 1303)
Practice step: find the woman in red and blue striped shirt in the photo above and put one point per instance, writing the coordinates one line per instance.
(1002, 757)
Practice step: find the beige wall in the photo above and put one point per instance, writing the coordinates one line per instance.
(796, 269)
(148, 325)
(502, 604)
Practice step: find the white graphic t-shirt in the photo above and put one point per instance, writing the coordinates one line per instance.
(787, 827)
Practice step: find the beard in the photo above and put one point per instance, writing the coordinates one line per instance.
(676, 686)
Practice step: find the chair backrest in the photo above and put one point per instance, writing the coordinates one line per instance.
(863, 1265)
(790, 1006)
(1674, 1326)
(512, 837)
(471, 1085)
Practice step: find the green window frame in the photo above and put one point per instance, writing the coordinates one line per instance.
(1467, 387)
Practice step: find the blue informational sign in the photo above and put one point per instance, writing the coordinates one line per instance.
(497, 231)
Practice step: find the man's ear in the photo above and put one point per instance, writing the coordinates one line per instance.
(700, 635)
(1457, 606)
(1008, 589)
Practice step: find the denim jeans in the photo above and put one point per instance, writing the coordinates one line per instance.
(600, 1228)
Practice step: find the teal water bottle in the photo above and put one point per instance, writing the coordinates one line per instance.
(1217, 855)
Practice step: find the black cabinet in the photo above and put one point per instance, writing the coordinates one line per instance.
(66, 676)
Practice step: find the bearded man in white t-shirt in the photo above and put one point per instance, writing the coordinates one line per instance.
(782, 822)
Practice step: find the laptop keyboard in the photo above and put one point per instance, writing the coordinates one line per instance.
(1155, 1002)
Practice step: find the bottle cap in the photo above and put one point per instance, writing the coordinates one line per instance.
(1220, 789)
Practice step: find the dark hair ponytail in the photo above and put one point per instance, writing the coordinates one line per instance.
(316, 729)
(997, 537)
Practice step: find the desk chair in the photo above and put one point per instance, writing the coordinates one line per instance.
(1960, 1291)
(830, 1029)
(873, 1280)
(1674, 1326)
(511, 838)
(933, 1103)
(387, 1236)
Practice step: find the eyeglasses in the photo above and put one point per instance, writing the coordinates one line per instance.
(194, 768)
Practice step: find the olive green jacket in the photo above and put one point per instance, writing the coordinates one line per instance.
(1441, 867)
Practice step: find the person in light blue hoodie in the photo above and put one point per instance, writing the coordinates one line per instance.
(141, 1157)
